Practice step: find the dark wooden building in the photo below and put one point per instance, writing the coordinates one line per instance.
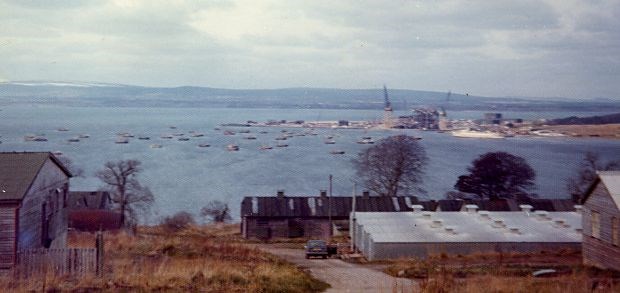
(92, 211)
(33, 200)
(308, 216)
(601, 222)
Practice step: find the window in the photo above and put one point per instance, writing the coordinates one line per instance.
(615, 233)
(596, 225)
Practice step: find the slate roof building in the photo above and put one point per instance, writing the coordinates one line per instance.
(284, 216)
(92, 211)
(389, 235)
(33, 200)
(601, 222)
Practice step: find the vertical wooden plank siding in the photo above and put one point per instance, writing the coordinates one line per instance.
(598, 246)
(8, 232)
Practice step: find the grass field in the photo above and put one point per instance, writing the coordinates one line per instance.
(198, 259)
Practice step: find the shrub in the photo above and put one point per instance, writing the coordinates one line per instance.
(178, 222)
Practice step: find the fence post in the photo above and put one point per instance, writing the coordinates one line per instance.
(99, 253)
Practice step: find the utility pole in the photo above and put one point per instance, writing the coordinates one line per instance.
(329, 208)
(352, 219)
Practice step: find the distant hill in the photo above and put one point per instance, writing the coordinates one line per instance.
(117, 95)
(573, 120)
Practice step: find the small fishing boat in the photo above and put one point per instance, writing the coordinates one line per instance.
(144, 138)
(121, 140)
(183, 139)
(156, 146)
(74, 139)
(166, 136)
(330, 141)
(266, 147)
(232, 147)
(282, 145)
(204, 145)
(337, 152)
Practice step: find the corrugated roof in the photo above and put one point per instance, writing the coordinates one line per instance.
(415, 227)
(611, 180)
(18, 171)
(91, 200)
(318, 206)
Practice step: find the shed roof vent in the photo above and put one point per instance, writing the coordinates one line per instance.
(427, 215)
(526, 208)
(436, 223)
(542, 215)
(450, 230)
(559, 223)
(485, 215)
(498, 223)
(578, 208)
(417, 208)
(471, 208)
(514, 230)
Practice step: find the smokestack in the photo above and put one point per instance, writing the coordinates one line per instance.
(280, 193)
(323, 193)
(579, 208)
(366, 194)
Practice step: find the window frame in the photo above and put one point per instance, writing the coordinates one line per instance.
(595, 225)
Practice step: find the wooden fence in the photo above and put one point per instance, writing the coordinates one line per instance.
(64, 261)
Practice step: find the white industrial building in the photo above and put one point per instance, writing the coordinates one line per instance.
(390, 235)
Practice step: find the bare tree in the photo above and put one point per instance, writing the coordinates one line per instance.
(587, 174)
(394, 166)
(126, 191)
(216, 211)
(497, 175)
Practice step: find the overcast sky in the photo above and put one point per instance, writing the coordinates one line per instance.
(568, 48)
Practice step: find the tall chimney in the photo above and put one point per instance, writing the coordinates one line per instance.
(526, 208)
(280, 193)
(366, 194)
(323, 193)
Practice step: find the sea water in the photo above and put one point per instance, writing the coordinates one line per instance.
(184, 176)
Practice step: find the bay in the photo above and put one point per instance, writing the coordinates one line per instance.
(184, 176)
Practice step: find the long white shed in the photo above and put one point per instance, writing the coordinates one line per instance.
(390, 235)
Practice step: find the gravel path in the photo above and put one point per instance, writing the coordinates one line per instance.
(344, 276)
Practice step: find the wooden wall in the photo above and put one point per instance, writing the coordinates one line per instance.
(7, 235)
(48, 187)
(600, 252)
(285, 227)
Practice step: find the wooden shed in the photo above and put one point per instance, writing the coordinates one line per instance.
(601, 222)
(308, 216)
(33, 199)
(92, 211)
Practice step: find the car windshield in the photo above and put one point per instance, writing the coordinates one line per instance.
(316, 243)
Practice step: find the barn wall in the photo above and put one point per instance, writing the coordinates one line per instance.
(44, 190)
(285, 227)
(600, 252)
(8, 213)
(376, 251)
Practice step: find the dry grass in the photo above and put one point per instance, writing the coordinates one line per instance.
(199, 259)
(505, 273)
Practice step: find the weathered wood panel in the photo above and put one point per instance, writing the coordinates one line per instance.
(47, 188)
(7, 235)
(600, 252)
(68, 261)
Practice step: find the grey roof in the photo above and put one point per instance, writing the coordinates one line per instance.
(611, 180)
(318, 206)
(92, 200)
(418, 227)
(18, 171)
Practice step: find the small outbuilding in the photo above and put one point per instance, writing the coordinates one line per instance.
(601, 222)
(92, 211)
(33, 200)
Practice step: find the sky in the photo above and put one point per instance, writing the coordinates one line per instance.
(546, 48)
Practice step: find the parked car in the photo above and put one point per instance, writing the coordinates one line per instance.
(316, 248)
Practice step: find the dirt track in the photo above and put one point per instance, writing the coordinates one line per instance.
(343, 276)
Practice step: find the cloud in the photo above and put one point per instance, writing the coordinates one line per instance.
(545, 47)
